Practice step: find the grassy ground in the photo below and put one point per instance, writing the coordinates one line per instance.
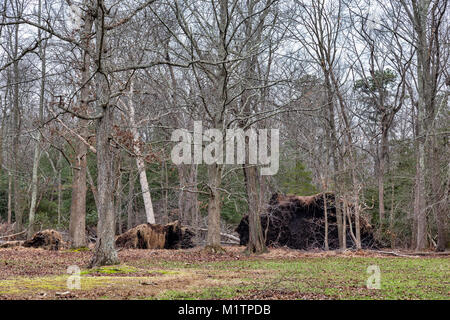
(192, 274)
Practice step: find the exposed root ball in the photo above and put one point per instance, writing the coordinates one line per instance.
(299, 222)
(178, 237)
(47, 239)
(155, 236)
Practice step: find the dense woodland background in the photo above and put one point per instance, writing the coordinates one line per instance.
(90, 92)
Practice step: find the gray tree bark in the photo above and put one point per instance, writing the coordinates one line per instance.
(105, 252)
(77, 224)
(37, 153)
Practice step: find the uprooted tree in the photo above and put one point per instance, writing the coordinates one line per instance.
(155, 236)
(298, 222)
(47, 239)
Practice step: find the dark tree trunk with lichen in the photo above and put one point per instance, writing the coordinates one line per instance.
(105, 252)
(256, 243)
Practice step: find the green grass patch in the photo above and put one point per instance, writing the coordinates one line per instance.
(334, 277)
(226, 292)
(346, 278)
(121, 269)
(23, 285)
(81, 249)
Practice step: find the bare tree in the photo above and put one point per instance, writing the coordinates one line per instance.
(427, 20)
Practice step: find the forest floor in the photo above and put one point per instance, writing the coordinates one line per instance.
(27, 273)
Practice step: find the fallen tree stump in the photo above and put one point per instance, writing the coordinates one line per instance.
(298, 222)
(46, 239)
(154, 236)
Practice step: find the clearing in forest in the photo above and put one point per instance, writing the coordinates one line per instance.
(28, 273)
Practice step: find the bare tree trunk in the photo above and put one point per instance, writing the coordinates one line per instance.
(16, 130)
(183, 205)
(215, 169)
(165, 192)
(382, 153)
(325, 213)
(188, 197)
(344, 226)
(37, 155)
(184, 201)
(415, 206)
(391, 218)
(442, 213)
(419, 210)
(426, 17)
(356, 208)
(118, 199)
(59, 188)
(34, 182)
(440, 202)
(145, 191)
(256, 243)
(349, 217)
(187, 174)
(381, 192)
(253, 36)
(4, 126)
(104, 252)
(130, 215)
(214, 205)
(2, 129)
(334, 152)
(439, 191)
(357, 224)
(140, 162)
(194, 197)
(77, 224)
(9, 197)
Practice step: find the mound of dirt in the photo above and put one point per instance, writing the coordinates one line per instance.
(46, 239)
(155, 236)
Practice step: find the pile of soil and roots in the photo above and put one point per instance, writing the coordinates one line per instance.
(46, 239)
(298, 222)
(155, 236)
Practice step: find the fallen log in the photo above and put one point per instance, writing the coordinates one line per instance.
(11, 244)
(412, 254)
(154, 236)
(225, 235)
